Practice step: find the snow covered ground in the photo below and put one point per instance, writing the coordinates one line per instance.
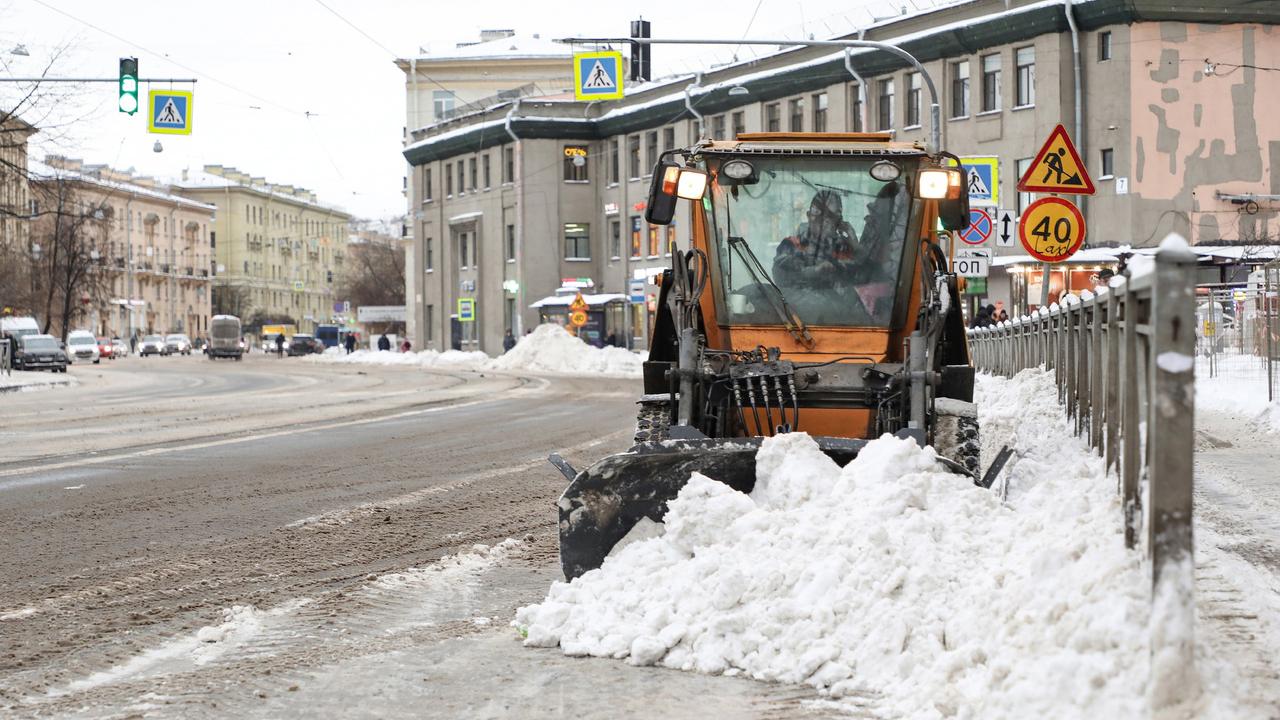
(549, 349)
(893, 578)
(1238, 387)
(22, 381)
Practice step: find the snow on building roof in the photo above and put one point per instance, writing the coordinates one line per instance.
(41, 171)
(507, 48)
(203, 180)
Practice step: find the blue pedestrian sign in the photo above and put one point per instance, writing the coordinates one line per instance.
(982, 176)
(170, 112)
(597, 75)
(980, 227)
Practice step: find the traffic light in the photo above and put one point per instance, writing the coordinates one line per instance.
(129, 85)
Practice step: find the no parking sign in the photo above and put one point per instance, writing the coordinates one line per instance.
(980, 227)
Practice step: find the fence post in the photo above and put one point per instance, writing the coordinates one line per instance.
(1084, 411)
(1097, 410)
(1112, 378)
(1170, 431)
(1131, 448)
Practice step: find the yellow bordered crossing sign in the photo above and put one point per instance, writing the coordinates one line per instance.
(466, 309)
(597, 75)
(1051, 229)
(1057, 168)
(169, 112)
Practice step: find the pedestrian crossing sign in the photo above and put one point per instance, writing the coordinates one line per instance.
(597, 75)
(466, 309)
(170, 112)
(1057, 168)
(982, 176)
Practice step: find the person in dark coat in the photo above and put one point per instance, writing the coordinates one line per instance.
(350, 343)
(280, 345)
(508, 341)
(983, 318)
(384, 343)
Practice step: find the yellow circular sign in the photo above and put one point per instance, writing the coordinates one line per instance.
(1051, 229)
(577, 318)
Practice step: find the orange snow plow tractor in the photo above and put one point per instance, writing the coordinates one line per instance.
(815, 297)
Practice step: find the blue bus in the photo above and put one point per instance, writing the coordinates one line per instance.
(327, 334)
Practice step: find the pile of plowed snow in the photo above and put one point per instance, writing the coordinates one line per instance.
(890, 577)
(551, 349)
(548, 349)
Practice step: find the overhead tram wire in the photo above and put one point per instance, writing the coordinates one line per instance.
(394, 55)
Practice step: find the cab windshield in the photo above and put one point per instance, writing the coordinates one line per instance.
(818, 234)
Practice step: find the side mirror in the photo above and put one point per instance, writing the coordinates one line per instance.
(672, 182)
(947, 186)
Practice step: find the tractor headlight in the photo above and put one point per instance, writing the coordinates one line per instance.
(692, 184)
(939, 184)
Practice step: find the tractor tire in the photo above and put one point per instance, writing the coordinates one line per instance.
(955, 434)
(653, 422)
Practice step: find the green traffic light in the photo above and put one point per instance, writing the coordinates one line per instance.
(128, 85)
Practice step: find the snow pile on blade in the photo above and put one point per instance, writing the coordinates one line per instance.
(889, 577)
(426, 358)
(551, 349)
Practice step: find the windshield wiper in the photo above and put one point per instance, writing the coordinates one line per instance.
(778, 302)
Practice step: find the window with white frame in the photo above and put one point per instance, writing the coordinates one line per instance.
(1025, 86)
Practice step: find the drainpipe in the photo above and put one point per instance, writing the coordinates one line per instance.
(518, 320)
(862, 85)
(688, 100)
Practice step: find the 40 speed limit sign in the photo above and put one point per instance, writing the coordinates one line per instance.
(1051, 230)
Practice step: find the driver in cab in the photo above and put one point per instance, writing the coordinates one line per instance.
(816, 266)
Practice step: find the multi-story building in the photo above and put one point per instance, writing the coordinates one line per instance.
(1167, 105)
(150, 269)
(15, 189)
(277, 244)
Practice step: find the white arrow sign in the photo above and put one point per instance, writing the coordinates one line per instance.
(1006, 230)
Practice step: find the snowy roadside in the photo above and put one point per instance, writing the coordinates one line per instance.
(549, 349)
(24, 381)
(892, 578)
(1238, 395)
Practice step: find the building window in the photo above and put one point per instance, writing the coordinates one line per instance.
(668, 138)
(1024, 60)
(1024, 198)
(577, 241)
(448, 179)
(855, 108)
(511, 243)
(430, 259)
(633, 157)
(655, 248)
(695, 131)
(885, 105)
(613, 161)
(472, 174)
(431, 312)
(511, 312)
(462, 251)
(484, 165)
(772, 118)
(1108, 163)
(717, 127)
(820, 112)
(426, 184)
(636, 249)
(671, 239)
(441, 103)
(1104, 46)
(651, 149)
(960, 89)
(990, 83)
(462, 178)
(615, 239)
(739, 123)
(796, 108)
(508, 164)
(913, 99)
(575, 163)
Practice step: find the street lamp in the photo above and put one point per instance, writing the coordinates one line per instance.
(157, 147)
(20, 50)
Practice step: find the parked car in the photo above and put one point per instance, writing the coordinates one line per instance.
(178, 343)
(39, 352)
(152, 345)
(82, 345)
(106, 349)
(119, 348)
(302, 344)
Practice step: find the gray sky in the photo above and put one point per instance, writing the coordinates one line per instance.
(289, 91)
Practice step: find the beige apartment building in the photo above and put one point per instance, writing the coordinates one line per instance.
(1168, 109)
(150, 246)
(15, 189)
(278, 244)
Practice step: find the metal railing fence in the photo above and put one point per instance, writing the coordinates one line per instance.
(1236, 333)
(1123, 360)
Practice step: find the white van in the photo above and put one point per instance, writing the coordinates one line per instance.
(19, 326)
(224, 337)
(82, 345)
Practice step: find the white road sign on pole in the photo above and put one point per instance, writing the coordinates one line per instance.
(974, 266)
(1006, 230)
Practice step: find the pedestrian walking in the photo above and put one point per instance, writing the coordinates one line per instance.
(280, 345)
(404, 345)
(611, 340)
(384, 343)
(350, 343)
(508, 341)
(133, 343)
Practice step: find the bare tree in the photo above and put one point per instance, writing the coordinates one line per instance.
(374, 274)
(68, 271)
(231, 299)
